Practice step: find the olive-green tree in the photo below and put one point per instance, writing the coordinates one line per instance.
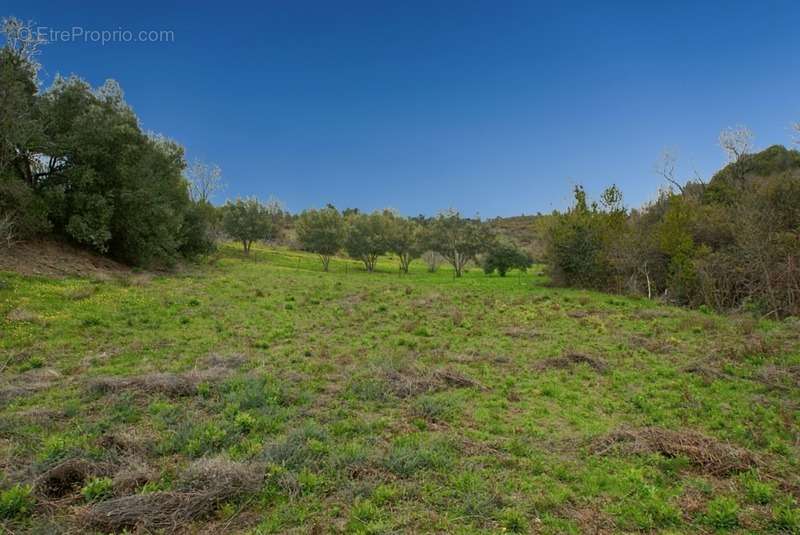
(457, 239)
(321, 231)
(247, 220)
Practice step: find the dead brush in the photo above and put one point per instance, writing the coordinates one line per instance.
(710, 455)
(413, 381)
(170, 384)
(201, 489)
(572, 359)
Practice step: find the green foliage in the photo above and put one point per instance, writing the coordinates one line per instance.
(98, 489)
(405, 239)
(729, 245)
(504, 256)
(247, 220)
(16, 502)
(74, 160)
(457, 239)
(321, 231)
(578, 241)
(367, 237)
(26, 210)
(723, 513)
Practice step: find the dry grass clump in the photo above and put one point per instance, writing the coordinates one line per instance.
(522, 332)
(780, 377)
(170, 384)
(129, 480)
(413, 381)
(572, 359)
(225, 361)
(29, 382)
(25, 316)
(202, 488)
(710, 455)
(653, 345)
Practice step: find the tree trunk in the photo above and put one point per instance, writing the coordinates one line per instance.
(405, 260)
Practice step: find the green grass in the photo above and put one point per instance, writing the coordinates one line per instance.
(330, 387)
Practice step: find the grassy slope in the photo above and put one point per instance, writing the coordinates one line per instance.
(313, 403)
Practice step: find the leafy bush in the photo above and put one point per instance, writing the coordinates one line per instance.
(731, 244)
(504, 256)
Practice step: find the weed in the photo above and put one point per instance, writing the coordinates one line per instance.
(16, 502)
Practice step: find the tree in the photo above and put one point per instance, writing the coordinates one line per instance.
(321, 231)
(405, 239)
(247, 220)
(457, 239)
(74, 160)
(737, 143)
(367, 237)
(504, 256)
(204, 181)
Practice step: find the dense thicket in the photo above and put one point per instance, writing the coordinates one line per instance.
(733, 243)
(75, 161)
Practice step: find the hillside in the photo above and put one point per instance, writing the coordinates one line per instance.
(524, 230)
(261, 395)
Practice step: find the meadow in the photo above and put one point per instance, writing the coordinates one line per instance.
(258, 394)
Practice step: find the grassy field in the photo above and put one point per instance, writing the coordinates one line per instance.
(262, 395)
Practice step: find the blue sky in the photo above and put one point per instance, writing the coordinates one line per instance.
(490, 107)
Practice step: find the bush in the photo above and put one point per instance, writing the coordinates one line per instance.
(503, 256)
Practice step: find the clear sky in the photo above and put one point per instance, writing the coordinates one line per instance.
(491, 107)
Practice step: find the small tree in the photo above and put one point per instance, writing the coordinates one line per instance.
(367, 237)
(321, 231)
(457, 239)
(405, 239)
(503, 256)
(247, 220)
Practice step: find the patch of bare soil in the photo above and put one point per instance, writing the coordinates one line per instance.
(49, 258)
(202, 488)
(708, 454)
(572, 359)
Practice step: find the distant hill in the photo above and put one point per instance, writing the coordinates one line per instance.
(524, 230)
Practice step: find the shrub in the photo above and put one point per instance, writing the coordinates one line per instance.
(503, 256)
